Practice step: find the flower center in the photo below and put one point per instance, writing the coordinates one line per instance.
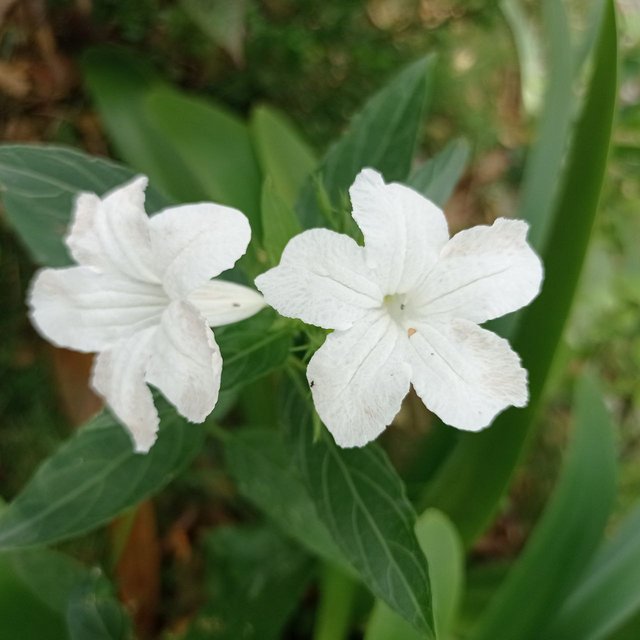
(396, 307)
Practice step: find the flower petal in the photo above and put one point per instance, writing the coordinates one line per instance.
(483, 273)
(112, 234)
(322, 279)
(118, 376)
(82, 309)
(222, 302)
(195, 242)
(465, 374)
(403, 231)
(185, 362)
(358, 380)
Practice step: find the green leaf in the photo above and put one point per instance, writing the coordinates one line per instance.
(544, 164)
(255, 578)
(469, 485)
(444, 552)
(383, 136)
(630, 631)
(438, 177)
(338, 593)
(36, 587)
(482, 582)
(527, 41)
(362, 502)
(222, 20)
(49, 575)
(22, 613)
(279, 222)
(93, 612)
(282, 153)
(261, 467)
(443, 548)
(251, 349)
(193, 148)
(38, 185)
(607, 595)
(564, 541)
(119, 82)
(215, 146)
(93, 477)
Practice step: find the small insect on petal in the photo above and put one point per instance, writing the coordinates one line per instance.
(411, 331)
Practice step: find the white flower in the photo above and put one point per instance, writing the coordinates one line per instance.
(405, 309)
(141, 297)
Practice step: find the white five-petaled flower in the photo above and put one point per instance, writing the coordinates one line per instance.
(405, 309)
(142, 298)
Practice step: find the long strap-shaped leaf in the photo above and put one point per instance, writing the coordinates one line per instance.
(608, 594)
(539, 184)
(361, 500)
(568, 534)
(473, 479)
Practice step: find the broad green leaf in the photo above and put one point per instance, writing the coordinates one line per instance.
(361, 500)
(118, 82)
(469, 485)
(261, 467)
(215, 146)
(194, 148)
(94, 476)
(383, 136)
(38, 185)
(607, 595)
(438, 177)
(279, 222)
(36, 586)
(251, 349)
(93, 612)
(335, 611)
(49, 575)
(23, 614)
(564, 541)
(283, 155)
(385, 624)
(254, 578)
(444, 552)
(443, 549)
(630, 631)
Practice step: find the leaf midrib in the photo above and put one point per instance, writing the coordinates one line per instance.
(392, 561)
